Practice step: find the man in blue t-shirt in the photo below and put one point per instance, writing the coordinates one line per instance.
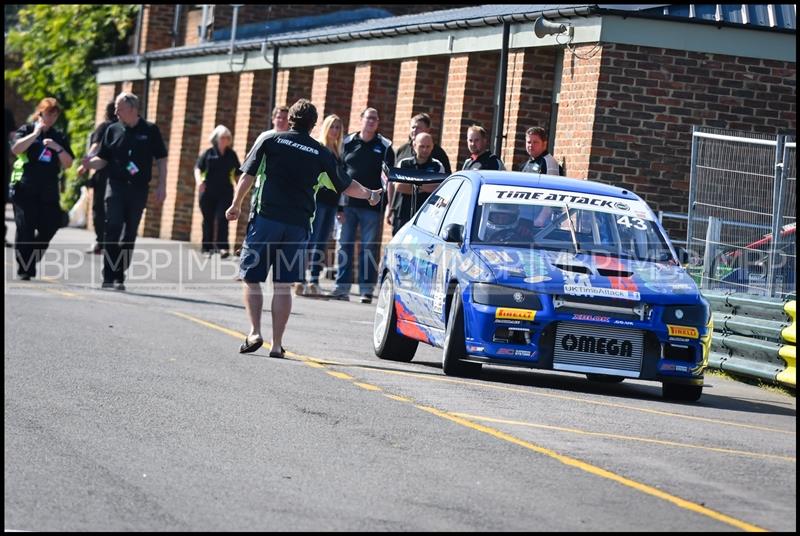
(291, 166)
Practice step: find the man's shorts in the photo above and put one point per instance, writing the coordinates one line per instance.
(276, 245)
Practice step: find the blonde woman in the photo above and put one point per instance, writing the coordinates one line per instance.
(214, 175)
(327, 205)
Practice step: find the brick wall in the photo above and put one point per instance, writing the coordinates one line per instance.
(577, 109)
(191, 21)
(293, 84)
(331, 93)
(252, 118)
(219, 109)
(420, 88)
(136, 87)
(375, 86)
(648, 99)
(157, 23)
(158, 20)
(160, 110)
(529, 97)
(223, 14)
(176, 216)
(469, 99)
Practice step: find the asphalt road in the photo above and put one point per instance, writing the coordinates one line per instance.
(134, 411)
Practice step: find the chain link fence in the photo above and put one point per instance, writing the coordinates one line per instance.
(742, 212)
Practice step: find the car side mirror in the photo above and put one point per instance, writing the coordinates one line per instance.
(683, 256)
(453, 233)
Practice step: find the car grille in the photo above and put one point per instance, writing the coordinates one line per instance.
(598, 349)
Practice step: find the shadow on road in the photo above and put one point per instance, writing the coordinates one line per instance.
(579, 384)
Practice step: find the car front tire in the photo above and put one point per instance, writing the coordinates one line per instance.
(455, 350)
(386, 341)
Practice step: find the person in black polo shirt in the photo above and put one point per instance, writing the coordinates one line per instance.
(363, 155)
(540, 160)
(399, 205)
(99, 180)
(295, 166)
(480, 156)
(422, 123)
(214, 174)
(42, 152)
(128, 149)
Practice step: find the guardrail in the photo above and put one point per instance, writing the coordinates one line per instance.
(753, 337)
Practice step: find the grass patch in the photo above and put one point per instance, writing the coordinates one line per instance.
(758, 382)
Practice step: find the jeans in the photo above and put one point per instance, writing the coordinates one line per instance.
(323, 225)
(369, 220)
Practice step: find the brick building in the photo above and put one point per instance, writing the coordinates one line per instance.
(620, 90)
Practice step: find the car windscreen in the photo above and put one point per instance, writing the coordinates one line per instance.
(562, 221)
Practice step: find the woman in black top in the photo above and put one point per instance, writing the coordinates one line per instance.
(42, 152)
(214, 173)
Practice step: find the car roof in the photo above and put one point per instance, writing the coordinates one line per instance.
(554, 182)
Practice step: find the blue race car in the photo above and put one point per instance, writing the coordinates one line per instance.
(543, 272)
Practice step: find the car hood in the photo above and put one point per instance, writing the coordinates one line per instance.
(589, 275)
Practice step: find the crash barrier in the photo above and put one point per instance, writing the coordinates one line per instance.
(753, 337)
(788, 352)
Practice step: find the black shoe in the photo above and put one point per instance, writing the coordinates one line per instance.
(119, 285)
(249, 346)
(24, 277)
(275, 353)
(339, 296)
(107, 284)
(366, 298)
(224, 254)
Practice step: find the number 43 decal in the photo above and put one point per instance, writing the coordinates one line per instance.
(637, 223)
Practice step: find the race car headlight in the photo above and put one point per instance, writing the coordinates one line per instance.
(690, 315)
(501, 296)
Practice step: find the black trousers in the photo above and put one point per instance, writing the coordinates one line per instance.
(124, 203)
(99, 182)
(38, 217)
(213, 204)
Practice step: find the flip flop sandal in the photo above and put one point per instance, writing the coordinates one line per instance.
(280, 354)
(248, 347)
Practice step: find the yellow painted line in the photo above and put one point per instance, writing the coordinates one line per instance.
(311, 361)
(398, 398)
(316, 359)
(239, 335)
(227, 331)
(682, 503)
(597, 471)
(368, 386)
(623, 437)
(575, 399)
(340, 375)
(63, 293)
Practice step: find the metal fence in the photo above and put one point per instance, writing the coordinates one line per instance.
(742, 212)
